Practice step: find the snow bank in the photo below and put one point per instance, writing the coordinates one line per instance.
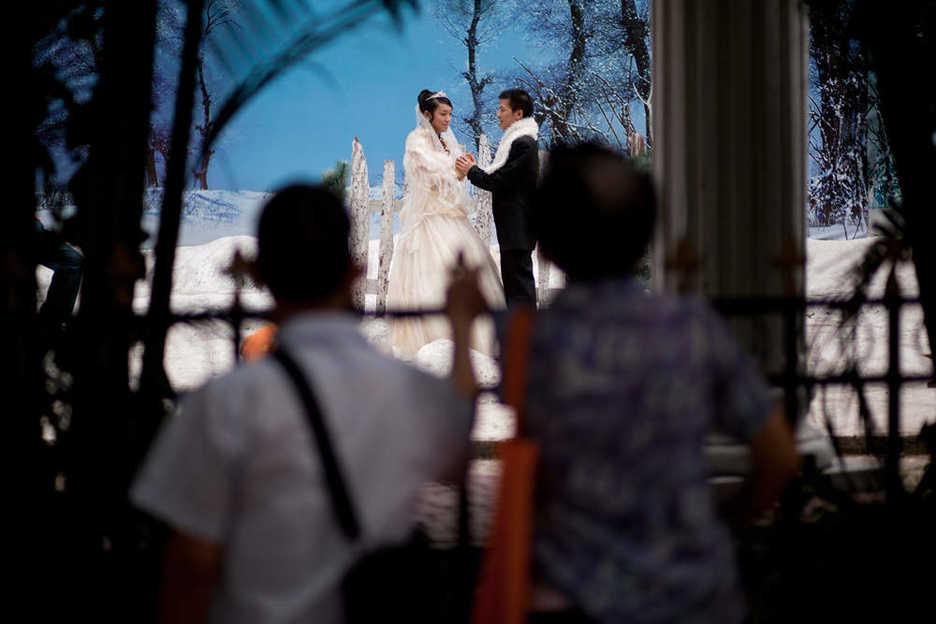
(196, 353)
(208, 215)
(494, 421)
(829, 276)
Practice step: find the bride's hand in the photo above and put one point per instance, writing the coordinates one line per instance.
(463, 164)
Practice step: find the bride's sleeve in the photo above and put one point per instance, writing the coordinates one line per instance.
(423, 168)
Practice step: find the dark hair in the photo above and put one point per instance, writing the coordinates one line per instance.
(302, 243)
(427, 105)
(593, 212)
(519, 100)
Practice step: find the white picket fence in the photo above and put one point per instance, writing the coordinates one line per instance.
(363, 206)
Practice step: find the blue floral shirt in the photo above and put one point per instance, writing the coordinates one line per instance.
(624, 387)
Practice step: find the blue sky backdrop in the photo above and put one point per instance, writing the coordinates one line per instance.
(305, 122)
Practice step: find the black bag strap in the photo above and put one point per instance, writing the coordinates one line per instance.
(338, 491)
(341, 501)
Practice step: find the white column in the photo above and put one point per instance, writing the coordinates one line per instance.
(729, 121)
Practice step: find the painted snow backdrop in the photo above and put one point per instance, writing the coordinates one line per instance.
(851, 169)
(208, 215)
(576, 67)
(586, 65)
(196, 353)
(829, 264)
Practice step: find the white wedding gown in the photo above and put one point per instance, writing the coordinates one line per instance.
(434, 229)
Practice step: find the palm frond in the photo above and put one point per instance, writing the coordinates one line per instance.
(257, 42)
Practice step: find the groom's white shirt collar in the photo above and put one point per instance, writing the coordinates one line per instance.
(522, 127)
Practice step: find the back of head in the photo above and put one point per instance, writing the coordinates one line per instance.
(593, 212)
(302, 242)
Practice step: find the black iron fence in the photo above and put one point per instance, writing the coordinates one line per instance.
(802, 378)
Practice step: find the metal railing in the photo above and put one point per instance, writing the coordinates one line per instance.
(798, 382)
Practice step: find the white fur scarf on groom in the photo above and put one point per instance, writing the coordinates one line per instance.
(522, 127)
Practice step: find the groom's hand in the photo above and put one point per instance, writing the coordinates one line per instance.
(464, 163)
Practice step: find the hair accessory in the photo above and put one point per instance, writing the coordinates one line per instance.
(437, 94)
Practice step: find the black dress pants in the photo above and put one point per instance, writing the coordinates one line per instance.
(517, 273)
(66, 262)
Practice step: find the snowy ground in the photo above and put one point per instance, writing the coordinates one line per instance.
(838, 231)
(197, 353)
(827, 276)
(847, 230)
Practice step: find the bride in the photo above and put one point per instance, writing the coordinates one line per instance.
(434, 230)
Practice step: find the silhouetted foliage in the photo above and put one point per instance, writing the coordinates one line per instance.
(336, 179)
(83, 130)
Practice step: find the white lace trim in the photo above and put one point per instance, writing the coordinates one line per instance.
(432, 188)
(448, 136)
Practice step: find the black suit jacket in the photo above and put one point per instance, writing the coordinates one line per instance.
(512, 186)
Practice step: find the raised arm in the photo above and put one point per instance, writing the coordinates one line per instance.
(191, 570)
(745, 409)
(520, 154)
(424, 166)
(464, 303)
(774, 463)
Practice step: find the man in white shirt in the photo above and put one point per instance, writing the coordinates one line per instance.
(236, 473)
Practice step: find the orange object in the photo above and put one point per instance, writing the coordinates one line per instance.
(258, 344)
(502, 595)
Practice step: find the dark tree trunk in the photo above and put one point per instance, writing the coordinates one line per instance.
(201, 174)
(830, 126)
(561, 114)
(901, 39)
(204, 128)
(22, 372)
(636, 32)
(98, 539)
(163, 149)
(842, 81)
(476, 86)
(152, 177)
(154, 380)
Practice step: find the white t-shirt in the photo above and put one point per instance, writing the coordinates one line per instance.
(237, 466)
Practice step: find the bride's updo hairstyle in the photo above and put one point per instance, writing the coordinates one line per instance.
(428, 104)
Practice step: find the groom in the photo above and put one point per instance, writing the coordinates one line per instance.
(512, 179)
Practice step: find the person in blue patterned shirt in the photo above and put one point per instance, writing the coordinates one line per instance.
(623, 387)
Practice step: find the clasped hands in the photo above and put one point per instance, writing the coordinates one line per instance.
(463, 164)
